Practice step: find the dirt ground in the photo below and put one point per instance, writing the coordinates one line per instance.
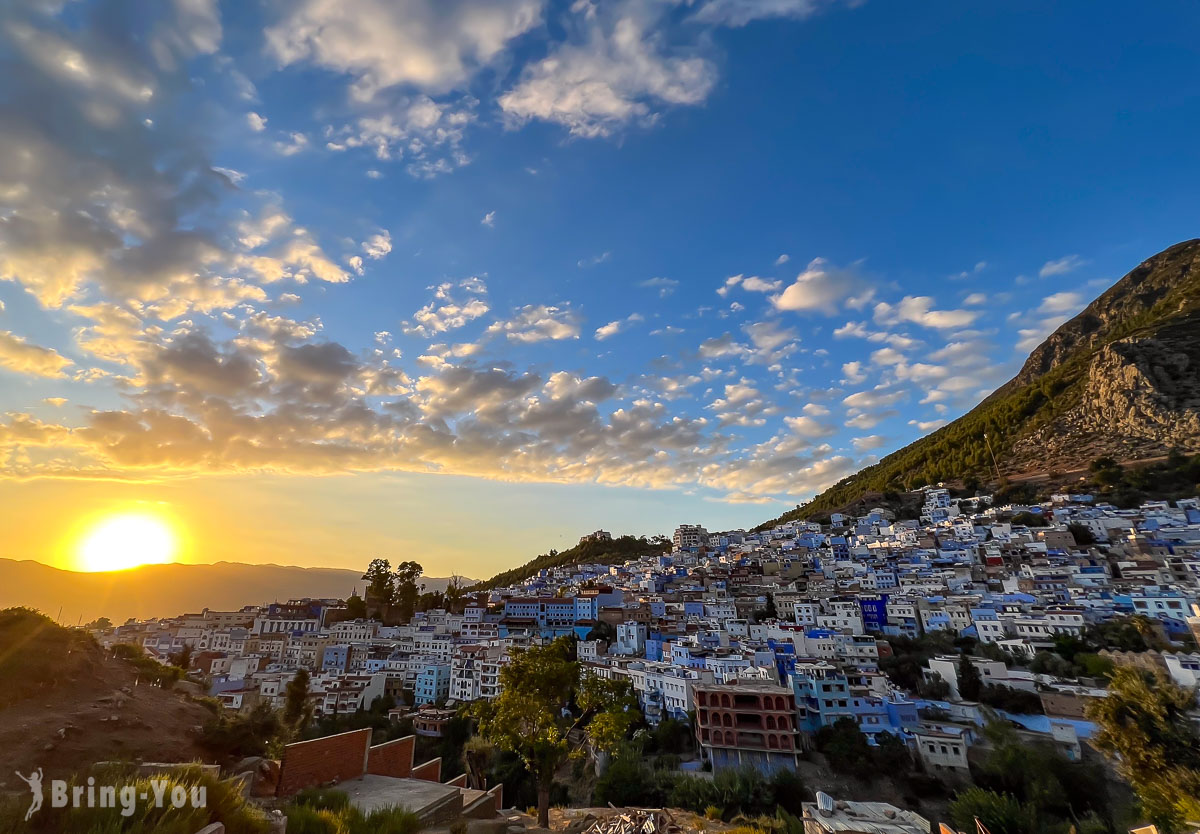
(102, 714)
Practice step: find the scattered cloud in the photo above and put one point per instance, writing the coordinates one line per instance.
(741, 12)
(617, 69)
(453, 305)
(1061, 266)
(1061, 302)
(539, 323)
(489, 219)
(594, 260)
(378, 245)
(819, 288)
(256, 122)
(21, 356)
(918, 310)
(614, 327)
(432, 45)
(665, 286)
(868, 443)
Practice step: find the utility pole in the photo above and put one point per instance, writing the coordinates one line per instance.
(995, 465)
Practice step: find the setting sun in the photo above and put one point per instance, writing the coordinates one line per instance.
(127, 541)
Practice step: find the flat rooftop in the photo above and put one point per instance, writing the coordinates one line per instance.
(370, 792)
(867, 818)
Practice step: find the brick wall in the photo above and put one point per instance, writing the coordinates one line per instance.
(392, 758)
(307, 764)
(431, 771)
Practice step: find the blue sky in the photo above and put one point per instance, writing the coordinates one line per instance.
(549, 266)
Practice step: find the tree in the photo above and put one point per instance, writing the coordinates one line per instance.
(296, 709)
(970, 682)
(99, 624)
(1082, 534)
(183, 657)
(845, 746)
(380, 583)
(356, 608)
(1144, 726)
(610, 710)
(406, 593)
(532, 715)
(527, 718)
(454, 596)
(999, 812)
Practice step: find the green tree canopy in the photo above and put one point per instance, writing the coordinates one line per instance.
(1144, 726)
(296, 710)
(970, 682)
(533, 713)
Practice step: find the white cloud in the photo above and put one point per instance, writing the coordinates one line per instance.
(756, 284)
(446, 312)
(970, 273)
(918, 310)
(782, 259)
(1031, 337)
(1061, 266)
(489, 219)
(378, 245)
(432, 45)
(975, 299)
(539, 323)
(868, 443)
(809, 428)
(611, 329)
(665, 286)
(1061, 302)
(291, 145)
(741, 12)
(618, 70)
(818, 288)
(256, 122)
(853, 373)
(18, 355)
(887, 356)
(427, 133)
(594, 260)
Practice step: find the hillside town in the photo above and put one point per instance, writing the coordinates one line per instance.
(925, 629)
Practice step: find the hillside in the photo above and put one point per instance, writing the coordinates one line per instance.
(66, 703)
(615, 552)
(1121, 379)
(168, 590)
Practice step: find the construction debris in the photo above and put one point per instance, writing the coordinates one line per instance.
(637, 821)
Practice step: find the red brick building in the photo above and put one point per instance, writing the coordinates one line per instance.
(747, 723)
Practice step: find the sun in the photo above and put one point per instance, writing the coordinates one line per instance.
(127, 541)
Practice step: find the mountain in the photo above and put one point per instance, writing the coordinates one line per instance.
(591, 552)
(167, 590)
(1121, 379)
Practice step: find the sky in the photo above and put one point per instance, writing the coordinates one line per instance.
(461, 280)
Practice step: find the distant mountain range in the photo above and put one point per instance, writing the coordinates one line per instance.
(1121, 379)
(167, 590)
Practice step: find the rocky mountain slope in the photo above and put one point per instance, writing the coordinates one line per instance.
(1120, 379)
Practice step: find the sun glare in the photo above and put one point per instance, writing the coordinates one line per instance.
(127, 541)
